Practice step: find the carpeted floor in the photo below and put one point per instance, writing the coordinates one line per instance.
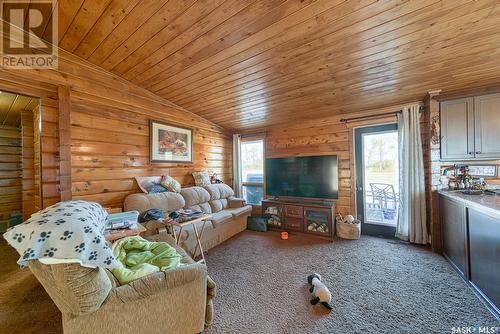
(25, 307)
(378, 286)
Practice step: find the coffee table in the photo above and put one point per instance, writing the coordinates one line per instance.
(177, 234)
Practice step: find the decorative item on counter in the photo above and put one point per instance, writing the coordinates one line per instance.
(284, 235)
(348, 227)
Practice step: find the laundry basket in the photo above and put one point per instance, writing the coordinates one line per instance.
(348, 228)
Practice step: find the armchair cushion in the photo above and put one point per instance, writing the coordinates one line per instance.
(155, 283)
(76, 290)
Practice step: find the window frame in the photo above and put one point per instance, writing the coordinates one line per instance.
(249, 139)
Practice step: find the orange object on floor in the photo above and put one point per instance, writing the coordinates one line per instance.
(284, 235)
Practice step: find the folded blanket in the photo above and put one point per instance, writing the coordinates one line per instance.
(71, 231)
(139, 257)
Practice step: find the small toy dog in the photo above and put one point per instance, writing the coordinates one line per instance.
(319, 291)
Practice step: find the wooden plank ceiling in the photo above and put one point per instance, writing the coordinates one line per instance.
(11, 106)
(247, 64)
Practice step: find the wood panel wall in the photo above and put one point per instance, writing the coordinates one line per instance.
(10, 173)
(110, 146)
(325, 136)
(28, 163)
(109, 132)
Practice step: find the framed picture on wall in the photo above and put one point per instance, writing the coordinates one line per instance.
(170, 143)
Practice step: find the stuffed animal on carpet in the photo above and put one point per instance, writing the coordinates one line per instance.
(319, 291)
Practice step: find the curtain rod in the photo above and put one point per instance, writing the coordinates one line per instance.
(345, 120)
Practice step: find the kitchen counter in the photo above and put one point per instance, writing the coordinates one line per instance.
(470, 233)
(486, 203)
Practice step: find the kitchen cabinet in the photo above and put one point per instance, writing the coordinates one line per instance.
(487, 126)
(469, 128)
(484, 253)
(457, 129)
(453, 231)
(470, 235)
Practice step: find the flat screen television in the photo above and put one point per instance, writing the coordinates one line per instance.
(313, 177)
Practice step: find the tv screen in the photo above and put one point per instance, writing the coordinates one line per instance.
(314, 177)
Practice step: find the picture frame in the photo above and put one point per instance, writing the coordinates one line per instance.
(170, 143)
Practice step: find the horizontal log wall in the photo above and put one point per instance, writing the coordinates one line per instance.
(10, 174)
(109, 132)
(110, 148)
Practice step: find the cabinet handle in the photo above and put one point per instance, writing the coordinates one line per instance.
(478, 152)
(471, 153)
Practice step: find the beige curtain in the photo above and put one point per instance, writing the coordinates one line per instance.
(412, 224)
(237, 165)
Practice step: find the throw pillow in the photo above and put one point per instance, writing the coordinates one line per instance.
(156, 188)
(201, 179)
(145, 182)
(170, 184)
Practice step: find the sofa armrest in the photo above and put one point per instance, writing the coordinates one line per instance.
(236, 202)
(158, 282)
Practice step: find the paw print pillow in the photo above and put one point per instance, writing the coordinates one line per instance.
(66, 232)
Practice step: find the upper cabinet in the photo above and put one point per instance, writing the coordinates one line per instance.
(470, 128)
(487, 129)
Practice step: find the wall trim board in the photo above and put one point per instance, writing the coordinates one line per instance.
(64, 143)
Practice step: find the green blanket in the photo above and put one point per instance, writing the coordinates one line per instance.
(139, 257)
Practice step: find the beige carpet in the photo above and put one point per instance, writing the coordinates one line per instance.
(25, 307)
(378, 286)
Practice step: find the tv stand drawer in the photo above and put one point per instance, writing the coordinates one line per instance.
(294, 211)
(294, 224)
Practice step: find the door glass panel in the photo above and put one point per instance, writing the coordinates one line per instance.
(381, 177)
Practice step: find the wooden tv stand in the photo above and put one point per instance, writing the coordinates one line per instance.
(300, 216)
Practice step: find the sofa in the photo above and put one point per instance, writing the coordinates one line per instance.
(91, 300)
(229, 214)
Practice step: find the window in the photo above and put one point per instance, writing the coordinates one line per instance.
(252, 170)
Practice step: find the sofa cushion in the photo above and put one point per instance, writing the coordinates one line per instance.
(218, 204)
(220, 217)
(194, 196)
(247, 209)
(156, 188)
(165, 201)
(203, 207)
(219, 191)
(170, 184)
(144, 182)
(201, 179)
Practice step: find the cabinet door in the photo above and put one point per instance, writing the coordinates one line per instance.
(457, 129)
(484, 253)
(487, 126)
(454, 233)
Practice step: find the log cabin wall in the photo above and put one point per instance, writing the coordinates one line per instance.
(327, 136)
(109, 132)
(10, 173)
(29, 188)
